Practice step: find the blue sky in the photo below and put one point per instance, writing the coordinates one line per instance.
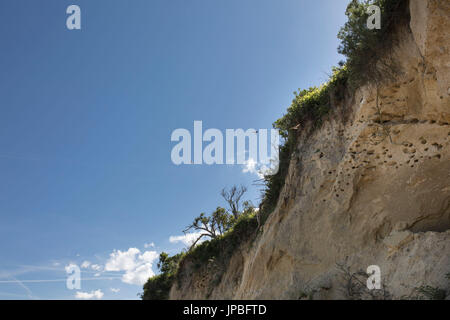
(86, 118)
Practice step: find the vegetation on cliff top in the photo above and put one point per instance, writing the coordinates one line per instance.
(368, 60)
(369, 51)
(308, 109)
(368, 54)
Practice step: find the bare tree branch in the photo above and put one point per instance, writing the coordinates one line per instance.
(233, 198)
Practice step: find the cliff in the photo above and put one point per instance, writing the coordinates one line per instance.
(371, 186)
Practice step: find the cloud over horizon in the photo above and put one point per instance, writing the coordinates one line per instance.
(187, 239)
(137, 265)
(97, 294)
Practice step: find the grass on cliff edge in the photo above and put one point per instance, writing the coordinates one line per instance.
(222, 247)
(363, 49)
(307, 110)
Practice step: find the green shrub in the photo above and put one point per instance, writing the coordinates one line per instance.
(217, 250)
(369, 51)
(158, 287)
(220, 248)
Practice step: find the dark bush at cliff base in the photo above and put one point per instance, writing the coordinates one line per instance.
(158, 287)
(218, 250)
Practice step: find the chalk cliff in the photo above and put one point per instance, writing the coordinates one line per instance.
(371, 186)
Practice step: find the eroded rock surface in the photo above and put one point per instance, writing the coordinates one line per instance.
(368, 188)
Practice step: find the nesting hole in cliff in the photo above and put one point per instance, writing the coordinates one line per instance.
(440, 223)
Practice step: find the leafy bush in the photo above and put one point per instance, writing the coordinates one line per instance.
(220, 248)
(221, 220)
(158, 287)
(368, 51)
(211, 226)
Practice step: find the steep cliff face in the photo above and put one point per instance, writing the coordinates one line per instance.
(370, 187)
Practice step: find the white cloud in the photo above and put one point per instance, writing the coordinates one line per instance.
(85, 264)
(251, 166)
(149, 245)
(188, 238)
(71, 267)
(96, 267)
(119, 260)
(139, 275)
(115, 290)
(97, 294)
(137, 265)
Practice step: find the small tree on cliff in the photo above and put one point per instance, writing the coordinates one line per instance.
(210, 226)
(233, 198)
(221, 220)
